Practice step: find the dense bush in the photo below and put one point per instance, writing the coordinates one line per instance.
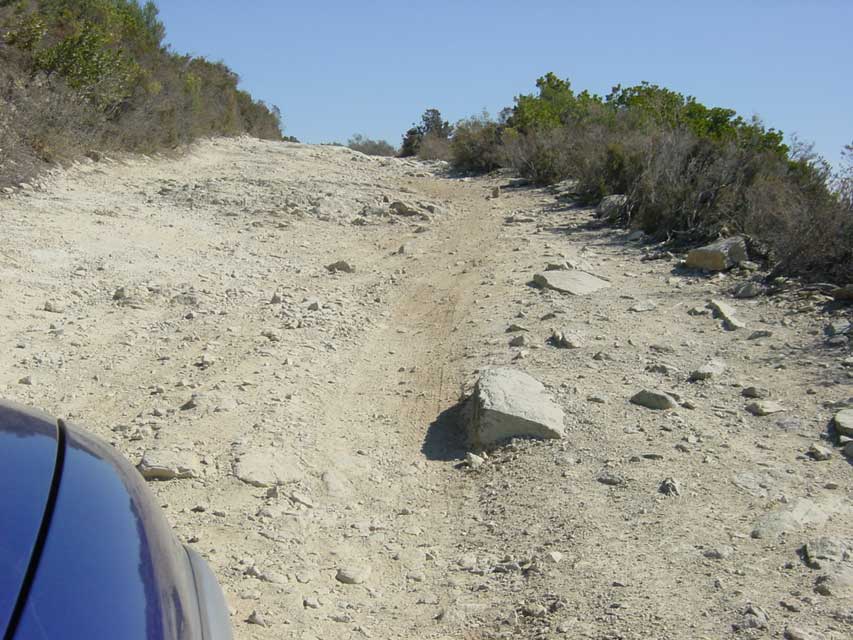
(78, 74)
(434, 131)
(371, 147)
(476, 144)
(690, 172)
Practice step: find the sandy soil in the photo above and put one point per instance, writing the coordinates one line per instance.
(194, 314)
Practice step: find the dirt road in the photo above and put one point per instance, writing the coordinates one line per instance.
(183, 309)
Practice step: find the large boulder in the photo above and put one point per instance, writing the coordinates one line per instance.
(577, 283)
(611, 207)
(843, 422)
(508, 403)
(718, 256)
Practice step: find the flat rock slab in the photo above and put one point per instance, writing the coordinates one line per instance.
(764, 408)
(577, 283)
(508, 403)
(266, 468)
(165, 464)
(800, 513)
(727, 314)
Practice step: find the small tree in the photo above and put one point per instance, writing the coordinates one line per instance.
(844, 180)
(431, 125)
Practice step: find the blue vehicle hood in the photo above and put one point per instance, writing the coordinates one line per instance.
(85, 551)
(28, 452)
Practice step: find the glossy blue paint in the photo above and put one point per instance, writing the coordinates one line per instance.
(28, 447)
(111, 567)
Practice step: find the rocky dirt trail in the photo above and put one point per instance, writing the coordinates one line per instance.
(281, 334)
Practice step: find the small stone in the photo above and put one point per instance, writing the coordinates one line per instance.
(761, 333)
(709, 370)
(165, 464)
(554, 557)
(271, 334)
(563, 340)
(727, 314)
(404, 209)
(54, 306)
(722, 552)
(257, 618)
(748, 290)
(276, 298)
(764, 408)
(755, 392)
(838, 341)
(535, 610)
(753, 618)
(798, 633)
(657, 400)
(610, 479)
(515, 328)
(670, 487)
(353, 574)
(642, 307)
(26, 380)
(519, 341)
(838, 328)
(473, 460)
(194, 402)
(467, 562)
(340, 265)
(819, 453)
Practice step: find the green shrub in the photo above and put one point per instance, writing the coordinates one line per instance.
(690, 172)
(371, 147)
(80, 74)
(476, 144)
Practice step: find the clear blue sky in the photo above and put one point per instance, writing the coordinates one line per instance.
(372, 67)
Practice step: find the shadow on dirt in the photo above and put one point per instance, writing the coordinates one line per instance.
(445, 437)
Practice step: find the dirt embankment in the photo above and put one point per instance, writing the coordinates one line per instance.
(184, 310)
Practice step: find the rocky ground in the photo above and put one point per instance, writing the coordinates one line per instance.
(282, 334)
